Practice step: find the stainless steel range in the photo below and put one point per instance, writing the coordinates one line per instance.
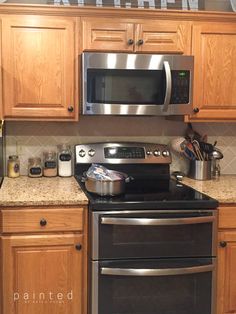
(153, 248)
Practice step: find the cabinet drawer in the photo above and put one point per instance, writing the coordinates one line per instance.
(227, 217)
(42, 220)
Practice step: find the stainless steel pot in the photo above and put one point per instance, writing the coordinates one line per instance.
(106, 187)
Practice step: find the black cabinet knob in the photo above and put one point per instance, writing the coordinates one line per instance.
(140, 42)
(223, 244)
(196, 110)
(70, 109)
(130, 42)
(78, 247)
(43, 222)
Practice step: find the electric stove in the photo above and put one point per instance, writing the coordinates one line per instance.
(149, 166)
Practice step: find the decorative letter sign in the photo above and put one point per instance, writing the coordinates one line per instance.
(193, 5)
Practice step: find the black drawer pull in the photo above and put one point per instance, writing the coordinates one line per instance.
(70, 108)
(78, 247)
(140, 42)
(223, 244)
(43, 222)
(196, 110)
(130, 42)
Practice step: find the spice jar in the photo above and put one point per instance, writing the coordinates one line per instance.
(64, 161)
(13, 166)
(50, 164)
(34, 167)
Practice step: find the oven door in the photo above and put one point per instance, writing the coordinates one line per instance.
(178, 286)
(153, 234)
(130, 84)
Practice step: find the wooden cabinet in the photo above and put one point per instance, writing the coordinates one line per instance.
(226, 298)
(214, 48)
(38, 66)
(163, 36)
(44, 270)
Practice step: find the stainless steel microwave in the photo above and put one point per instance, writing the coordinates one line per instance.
(136, 84)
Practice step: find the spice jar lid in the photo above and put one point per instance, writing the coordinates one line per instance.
(13, 157)
(34, 160)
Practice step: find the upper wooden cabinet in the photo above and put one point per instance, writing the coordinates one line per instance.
(39, 62)
(214, 50)
(155, 36)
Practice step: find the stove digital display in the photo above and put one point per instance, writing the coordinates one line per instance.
(124, 152)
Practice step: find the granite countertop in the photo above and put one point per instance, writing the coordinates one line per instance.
(25, 191)
(223, 188)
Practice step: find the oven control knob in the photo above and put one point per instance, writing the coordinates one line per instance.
(165, 153)
(148, 152)
(157, 153)
(91, 152)
(82, 153)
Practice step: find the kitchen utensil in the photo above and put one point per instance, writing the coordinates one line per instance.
(215, 156)
(191, 134)
(178, 144)
(190, 154)
(197, 150)
(200, 169)
(206, 147)
(107, 187)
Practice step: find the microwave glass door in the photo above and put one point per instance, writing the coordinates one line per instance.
(137, 87)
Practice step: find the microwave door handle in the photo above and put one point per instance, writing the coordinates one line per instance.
(168, 86)
(156, 221)
(156, 272)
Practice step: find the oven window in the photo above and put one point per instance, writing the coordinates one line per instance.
(155, 241)
(126, 86)
(169, 294)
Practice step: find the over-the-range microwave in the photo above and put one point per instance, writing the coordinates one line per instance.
(136, 84)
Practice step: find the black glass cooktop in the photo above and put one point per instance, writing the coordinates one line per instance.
(151, 194)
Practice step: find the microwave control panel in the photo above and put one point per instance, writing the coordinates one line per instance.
(180, 87)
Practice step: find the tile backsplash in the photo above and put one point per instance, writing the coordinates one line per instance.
(30, 139)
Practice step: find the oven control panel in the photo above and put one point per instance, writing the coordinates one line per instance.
(123, 153)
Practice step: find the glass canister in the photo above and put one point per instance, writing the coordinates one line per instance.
(34, 167)
(64, 161)
(50, 164)
(13, 166)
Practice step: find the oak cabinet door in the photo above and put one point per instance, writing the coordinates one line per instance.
(107, 34)
(163, 37)
(214, 50)
(227, 273)
(42, 274)
(38, 60)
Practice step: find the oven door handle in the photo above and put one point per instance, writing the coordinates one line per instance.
(168, 86)
(155, 221)
(156, 272)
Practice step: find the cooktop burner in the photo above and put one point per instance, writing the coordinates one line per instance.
(151, 188)
(152, 194)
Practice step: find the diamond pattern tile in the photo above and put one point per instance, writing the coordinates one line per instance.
(29, 139)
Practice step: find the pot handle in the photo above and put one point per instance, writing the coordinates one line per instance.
(129, 179)
(84, 177)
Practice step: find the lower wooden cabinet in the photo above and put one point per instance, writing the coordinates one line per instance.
(44, 272)
(226, 295)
